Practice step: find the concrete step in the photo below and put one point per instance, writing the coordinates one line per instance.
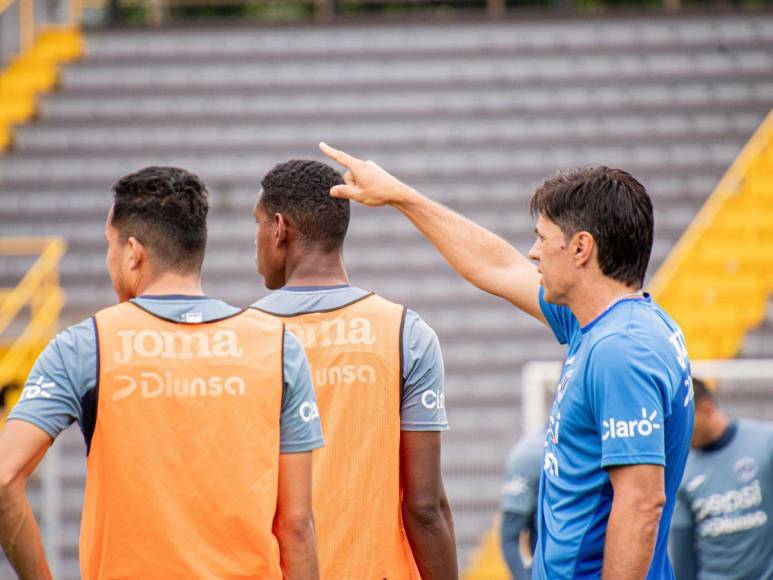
(507, 134)
(674, 158)
(480, 101)
(536, 36)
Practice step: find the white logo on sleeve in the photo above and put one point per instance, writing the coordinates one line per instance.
(515, 486)
(622, 429)
(39, 388)
(433, 400)
(308, 411)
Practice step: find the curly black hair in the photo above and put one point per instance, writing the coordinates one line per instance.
(300, 189)
(165, 208)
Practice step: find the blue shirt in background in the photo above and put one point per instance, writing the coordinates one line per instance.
(67, 369)
(624, 398)
(422, 406)
(726, 502)
(522, 474)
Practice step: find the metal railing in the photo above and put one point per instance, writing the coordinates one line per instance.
(20, 20)
(716, 281)
(31, 309)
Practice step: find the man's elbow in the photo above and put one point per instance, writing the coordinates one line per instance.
(11, 486)
(425, 513)
(649, 511)
(296, 528)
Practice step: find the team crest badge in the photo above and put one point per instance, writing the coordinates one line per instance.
(745, 469)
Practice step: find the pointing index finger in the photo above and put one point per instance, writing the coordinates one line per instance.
(343, 158)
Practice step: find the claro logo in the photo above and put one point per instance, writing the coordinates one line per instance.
(622, 429)
(176, 345)
(308, 411)
(154, 385)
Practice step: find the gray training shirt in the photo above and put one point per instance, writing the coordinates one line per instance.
(67, 370)
(726, 499)
(422, 404)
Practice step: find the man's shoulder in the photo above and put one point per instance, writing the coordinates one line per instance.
(295, 302)
(634, 341)
(528, 451)
(77, 335)
(753, 432)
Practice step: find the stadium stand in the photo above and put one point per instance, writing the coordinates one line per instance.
(475, 115)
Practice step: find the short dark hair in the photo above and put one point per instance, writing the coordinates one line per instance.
(610, 205)
(165, 208)
(702, 392)
(300, 188)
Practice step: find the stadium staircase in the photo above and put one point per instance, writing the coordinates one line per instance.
(474, 114)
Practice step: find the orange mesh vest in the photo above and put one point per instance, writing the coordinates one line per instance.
(355, 357)
(182, 468)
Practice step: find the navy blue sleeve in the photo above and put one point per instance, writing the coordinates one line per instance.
(560, 319)
(628, 389)
(300, 428)
(61, 376)
(512, 526)
(683, 554)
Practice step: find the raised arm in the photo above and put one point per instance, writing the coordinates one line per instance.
(478, 255)
(22, 446)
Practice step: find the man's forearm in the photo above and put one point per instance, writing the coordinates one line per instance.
(632, 532)
(20, 536)
(298, 552)
(431, 535)
(475, 253)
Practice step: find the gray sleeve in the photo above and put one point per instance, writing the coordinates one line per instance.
(423, 401)
(522, 474)
(300, 425)
(60, 377)
(683, 554)
(682, 517)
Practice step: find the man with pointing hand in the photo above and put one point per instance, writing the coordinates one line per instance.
(620, 426)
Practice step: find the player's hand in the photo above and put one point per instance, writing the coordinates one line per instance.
(365, 182)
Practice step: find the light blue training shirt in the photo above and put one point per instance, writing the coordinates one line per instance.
(522, 474)
(422, 405)
(726, 500)
(624, 398)
(65, 374)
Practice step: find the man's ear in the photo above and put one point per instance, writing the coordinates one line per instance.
(137, 254)
(582, 246)
(280, 229)
(704, 406)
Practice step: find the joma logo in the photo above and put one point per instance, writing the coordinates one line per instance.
(336, 332)
(176, 345)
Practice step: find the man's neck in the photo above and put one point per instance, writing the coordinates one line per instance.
(719, 427)
(589, 301)
(316, 268)
(172, 283)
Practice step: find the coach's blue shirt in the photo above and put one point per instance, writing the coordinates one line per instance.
(625, 397)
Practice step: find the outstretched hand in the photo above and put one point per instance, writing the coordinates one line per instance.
(365, 182)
